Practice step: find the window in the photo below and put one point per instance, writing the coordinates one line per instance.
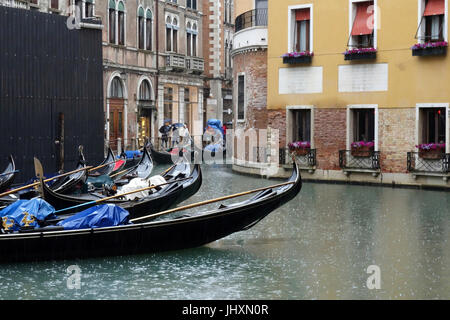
(191, 39)
(363, 125)
(302, 30)
(432, 24)
(241, 97)
(261, 4)
(302, 125)
(433, 125)
(112, 21)
(362, 32)
(141, 29)
(54, 4)
(171, 34)
(121, 23)
(145, 91)
(148, 30)
(191, 4)
(168, 103)
(88, 9)
(116, 89)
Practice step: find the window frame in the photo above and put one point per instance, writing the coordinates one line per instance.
(244, 106)
(352, 9)
(292, 23)
(421, 106)
(421, 5)
(290, 119)
(350, 124)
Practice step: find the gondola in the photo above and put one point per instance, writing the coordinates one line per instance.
(185, 232)
(106, 167)
(67, 184)
(7, 176)
(142, 170)
(159, 200)
(160, 157)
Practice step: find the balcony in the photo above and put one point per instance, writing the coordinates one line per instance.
(252, 18)
(195, 65)
(175, 62)
(306, 161)
(433, 166)
(369, 163)
(20, 4)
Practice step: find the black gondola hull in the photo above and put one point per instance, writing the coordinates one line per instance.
(175, 234)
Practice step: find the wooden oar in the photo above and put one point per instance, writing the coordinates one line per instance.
(119, 173)
(47, 180)
(203, 203)
(8, 173)
(121, 195)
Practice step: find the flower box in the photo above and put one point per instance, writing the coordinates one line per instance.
(297, 57)
(362, 149)
(431, 151)
(429, 49)
(361, 54)
(300, 148)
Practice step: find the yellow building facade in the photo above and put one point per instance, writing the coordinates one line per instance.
(363, 84)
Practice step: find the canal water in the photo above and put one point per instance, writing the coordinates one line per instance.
(318, 246)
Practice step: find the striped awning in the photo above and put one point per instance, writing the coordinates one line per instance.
(363, 23)
(434, 7)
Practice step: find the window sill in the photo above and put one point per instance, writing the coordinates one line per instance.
(375, 173)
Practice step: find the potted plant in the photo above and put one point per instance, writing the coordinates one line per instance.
(362, 148)
(360, 53)
(431, 151)
(430, 48)
(297, 57)
(300, 148)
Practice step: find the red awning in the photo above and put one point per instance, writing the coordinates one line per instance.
(363, 23)
(434, 7)
(302, 14)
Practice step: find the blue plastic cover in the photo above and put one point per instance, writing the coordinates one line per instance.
(102, 216)
(27, 212)
(133, 154)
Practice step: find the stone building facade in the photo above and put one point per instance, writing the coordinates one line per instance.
(218, 30)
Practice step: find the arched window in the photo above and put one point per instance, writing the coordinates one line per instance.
(112, 21)
(148, 30)
(171, 34)
(191, 39)
(116, 90)
(145, 93)
(141, 28)
(121, 23)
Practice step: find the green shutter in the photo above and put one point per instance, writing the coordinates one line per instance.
(141, 12)
(149, 14)
(112, 4)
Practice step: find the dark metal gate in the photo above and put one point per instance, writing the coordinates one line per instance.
(51, 92)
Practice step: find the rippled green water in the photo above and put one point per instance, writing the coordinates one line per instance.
(318, 246)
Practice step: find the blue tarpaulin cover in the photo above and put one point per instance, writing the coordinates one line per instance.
(29, 212)
(133, 154)
(102, 216)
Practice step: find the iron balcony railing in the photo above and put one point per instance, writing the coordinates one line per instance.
(369, 162)
(252, 18)
(417, 163)
(304, 161)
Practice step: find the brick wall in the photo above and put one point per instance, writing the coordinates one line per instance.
(329, 136)
(254, 65)
(396, 129)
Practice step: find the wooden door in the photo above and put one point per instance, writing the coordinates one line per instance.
(116, 122)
